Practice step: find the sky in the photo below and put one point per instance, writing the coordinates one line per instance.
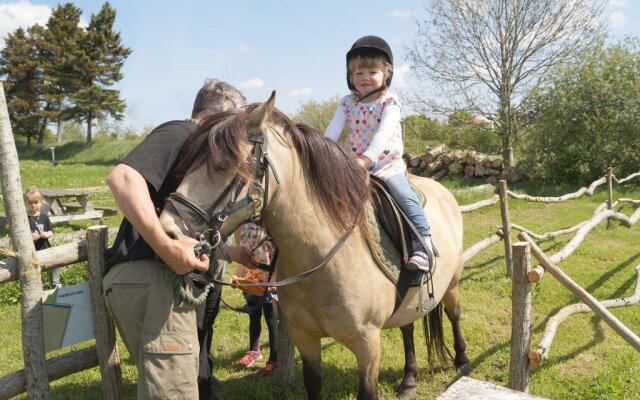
(294, 47)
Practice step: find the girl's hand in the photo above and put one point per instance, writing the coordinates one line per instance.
(35, 235)
(364, 162)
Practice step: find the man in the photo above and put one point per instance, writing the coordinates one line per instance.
(157, 327)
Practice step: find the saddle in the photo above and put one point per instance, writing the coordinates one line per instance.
(390, 238)
(391, 218)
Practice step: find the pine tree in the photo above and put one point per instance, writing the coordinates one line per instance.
(60, 54)
(19, 64)
(100, 68)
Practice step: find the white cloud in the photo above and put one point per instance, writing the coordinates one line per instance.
(305, 91)
(399, 75)
(617, 3)
(83, 23)
(245, 48)
(617, 20)
(401, 13)
(255, 83)
(21, 14)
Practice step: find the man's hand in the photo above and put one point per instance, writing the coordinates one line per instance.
(180, 257)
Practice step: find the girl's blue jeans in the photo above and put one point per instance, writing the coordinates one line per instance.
(408, 201)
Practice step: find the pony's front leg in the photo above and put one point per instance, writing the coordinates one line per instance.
(407, 389)
(367, 351)
(309, 348)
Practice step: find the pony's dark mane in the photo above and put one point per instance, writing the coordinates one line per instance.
(335, 180)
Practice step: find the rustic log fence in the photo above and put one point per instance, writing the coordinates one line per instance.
(26, 265)
(517, 256)
(103, 354)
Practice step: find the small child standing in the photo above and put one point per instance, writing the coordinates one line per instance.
(40, 226)
(259, 300)
(373, 115)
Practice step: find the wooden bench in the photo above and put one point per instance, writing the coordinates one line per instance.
(92, 215)
(468, 388)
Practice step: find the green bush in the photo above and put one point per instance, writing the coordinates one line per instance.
(586, 117)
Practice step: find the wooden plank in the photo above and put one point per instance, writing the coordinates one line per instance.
(108, 211)
(58, 367)
(467, 388)
(74, 217)
(71, 192)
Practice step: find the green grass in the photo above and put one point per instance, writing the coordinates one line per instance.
(587, 359)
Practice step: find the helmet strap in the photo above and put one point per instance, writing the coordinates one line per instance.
(371, 93)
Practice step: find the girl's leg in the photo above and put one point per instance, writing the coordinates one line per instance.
(254, 352)
(272, 326)
(254, 325)
(408, 202)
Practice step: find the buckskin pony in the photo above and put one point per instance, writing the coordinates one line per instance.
(311, 196)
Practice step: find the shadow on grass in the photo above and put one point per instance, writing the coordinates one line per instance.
(88, 390)
(596, 284)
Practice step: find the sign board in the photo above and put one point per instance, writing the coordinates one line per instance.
(67, 316)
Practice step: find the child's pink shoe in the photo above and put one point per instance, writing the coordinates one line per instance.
(270, 368)
(250, 357)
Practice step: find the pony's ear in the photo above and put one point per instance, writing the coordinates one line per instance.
(259, 115)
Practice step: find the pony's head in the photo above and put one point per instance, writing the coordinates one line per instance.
(238, 161)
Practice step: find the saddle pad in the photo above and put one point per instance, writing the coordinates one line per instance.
(387, 256)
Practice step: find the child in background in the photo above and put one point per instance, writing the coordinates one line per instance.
(40, 226)
(373, 115)
(259, 299)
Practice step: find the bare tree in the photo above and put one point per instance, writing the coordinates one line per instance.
(482, 55)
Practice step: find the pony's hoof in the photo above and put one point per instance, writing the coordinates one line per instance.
(407, 392)
(464, 368)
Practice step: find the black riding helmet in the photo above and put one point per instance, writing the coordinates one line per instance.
(370, 45)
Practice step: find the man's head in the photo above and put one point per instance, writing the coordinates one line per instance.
(216, 96)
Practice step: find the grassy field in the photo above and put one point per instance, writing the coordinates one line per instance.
(587, 359)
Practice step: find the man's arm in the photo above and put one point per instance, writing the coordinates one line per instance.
(131, 194)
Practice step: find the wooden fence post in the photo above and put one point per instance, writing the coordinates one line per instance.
(520, 318)
(506, 225)
(609, 193)
(286, 353)
(30, 279)
(103, 327)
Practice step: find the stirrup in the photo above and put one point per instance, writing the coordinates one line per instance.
(424, 306)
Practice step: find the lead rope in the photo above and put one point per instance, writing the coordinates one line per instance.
(202, 247)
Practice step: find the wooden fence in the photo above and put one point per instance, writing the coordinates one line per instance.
(517, 256)
(26, 265)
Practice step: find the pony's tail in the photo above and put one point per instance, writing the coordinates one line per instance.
(437, 349)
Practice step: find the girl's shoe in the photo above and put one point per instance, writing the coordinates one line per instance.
(250, 357)
(269, 368)
(419, 260)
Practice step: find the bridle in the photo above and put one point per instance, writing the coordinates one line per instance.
(208, 231)
(206, 227)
